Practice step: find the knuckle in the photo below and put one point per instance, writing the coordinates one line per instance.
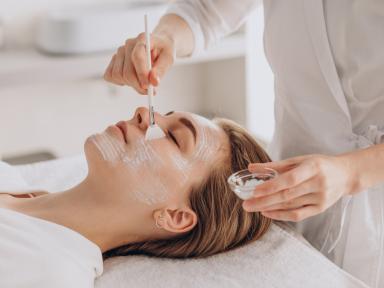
(319, 162)
(313, 164)
(106, 76)
(121, 50)
(116, 74)
(125, 73)
(128, 78)
(129, 42)
(141, 36)
(321, 207)
(285, 195)
(267, 191)
(288, 204)
(321, 183)
(292, 179)
(322, 198)
(296, 216)
(141, 75)
(139, 90)
(136, 56)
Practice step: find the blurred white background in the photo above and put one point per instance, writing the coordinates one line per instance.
(49, 103)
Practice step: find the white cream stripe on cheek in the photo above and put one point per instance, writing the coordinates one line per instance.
(141, 153)
(183, 166)
(98, 145)
(143, 166)
(111, 150)
(115, 147)
(107, 149)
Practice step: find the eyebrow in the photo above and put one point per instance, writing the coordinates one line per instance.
(169, 113)
(187, 123)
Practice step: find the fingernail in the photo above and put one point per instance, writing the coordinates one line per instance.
(158, 79)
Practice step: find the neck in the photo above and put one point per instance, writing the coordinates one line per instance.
(83, 210)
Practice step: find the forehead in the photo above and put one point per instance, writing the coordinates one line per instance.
(212, 142)
(200, 121)
(211, 137)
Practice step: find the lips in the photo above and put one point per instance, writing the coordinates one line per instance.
(123, 128)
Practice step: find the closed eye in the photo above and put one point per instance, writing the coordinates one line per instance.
(173, 138)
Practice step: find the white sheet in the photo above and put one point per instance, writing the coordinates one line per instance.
(280, 259)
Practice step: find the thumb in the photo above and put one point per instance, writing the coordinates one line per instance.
(154, 79)
(280, 167)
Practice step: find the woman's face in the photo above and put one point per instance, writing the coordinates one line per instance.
(156, 173)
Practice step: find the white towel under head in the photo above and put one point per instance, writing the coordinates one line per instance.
(281, 258)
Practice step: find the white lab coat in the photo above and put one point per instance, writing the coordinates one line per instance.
(312, 114)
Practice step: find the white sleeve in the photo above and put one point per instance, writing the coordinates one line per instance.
(212, 19)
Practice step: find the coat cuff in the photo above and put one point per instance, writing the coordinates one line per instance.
(187, 13)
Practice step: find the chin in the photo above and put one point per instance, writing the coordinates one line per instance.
(92, 153)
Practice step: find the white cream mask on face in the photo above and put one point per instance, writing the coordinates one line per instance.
(153, 176)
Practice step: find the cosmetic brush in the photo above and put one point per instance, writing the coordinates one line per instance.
(153, 131)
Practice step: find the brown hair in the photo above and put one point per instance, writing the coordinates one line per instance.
(222, 222)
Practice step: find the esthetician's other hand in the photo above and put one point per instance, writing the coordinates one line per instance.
(128, 65)
(305, 186)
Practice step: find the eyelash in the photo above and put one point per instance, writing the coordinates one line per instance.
(173, 138)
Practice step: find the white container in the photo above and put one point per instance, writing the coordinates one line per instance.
(94, 29)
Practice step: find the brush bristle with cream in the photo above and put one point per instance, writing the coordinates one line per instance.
(153, 131)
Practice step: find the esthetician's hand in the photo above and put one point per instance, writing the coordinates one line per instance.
(305, 186)
(128, 65)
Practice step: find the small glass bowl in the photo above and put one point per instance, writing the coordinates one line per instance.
(244, 182)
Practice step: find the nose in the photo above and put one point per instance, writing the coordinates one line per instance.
(142, 118)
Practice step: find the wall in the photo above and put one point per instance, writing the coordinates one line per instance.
(58, 116)
(21, 16)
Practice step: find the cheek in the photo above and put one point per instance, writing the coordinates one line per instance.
(144, 171)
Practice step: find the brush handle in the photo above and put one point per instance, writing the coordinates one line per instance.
(149, 66)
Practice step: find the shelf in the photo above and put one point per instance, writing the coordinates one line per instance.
(29, 67)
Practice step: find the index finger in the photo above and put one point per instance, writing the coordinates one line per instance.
(280, 166)
(162, 64)
(139, 61)
(284, 181)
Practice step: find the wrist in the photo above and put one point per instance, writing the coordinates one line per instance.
(169, 38)
(354, 182)
(177, 31)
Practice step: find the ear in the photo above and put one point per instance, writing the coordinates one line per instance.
(176, 220)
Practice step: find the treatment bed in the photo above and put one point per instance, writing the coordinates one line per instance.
(281, 258)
